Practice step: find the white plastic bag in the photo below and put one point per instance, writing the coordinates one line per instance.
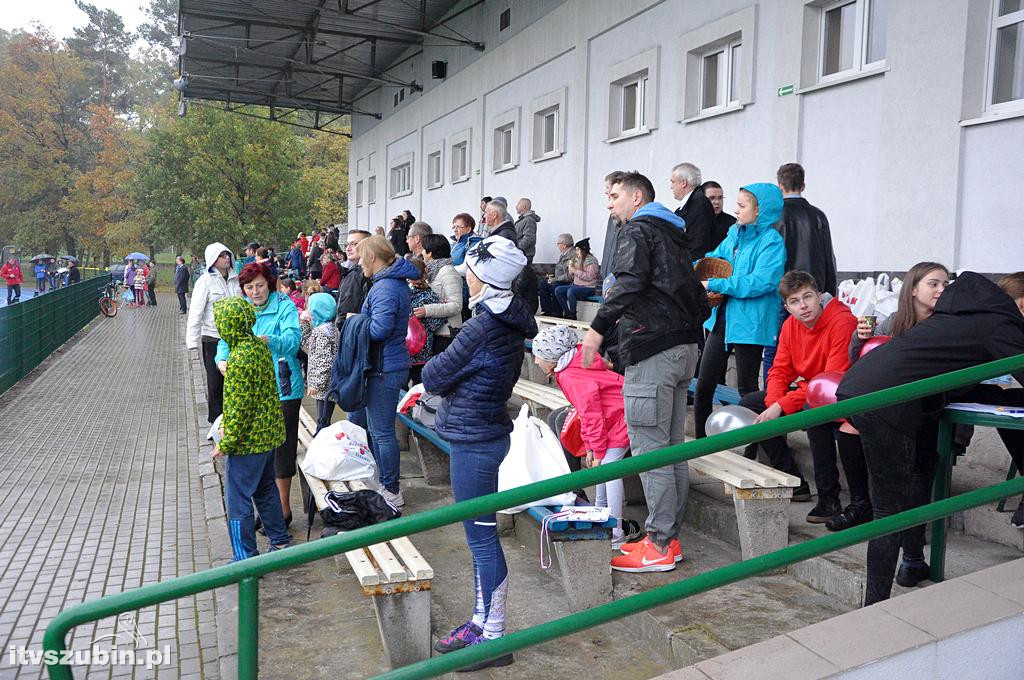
(845, 290)
(862, 298)
(886, 301)
(535, 454)
(340, 453)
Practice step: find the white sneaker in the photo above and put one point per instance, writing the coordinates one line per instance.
(396, 499)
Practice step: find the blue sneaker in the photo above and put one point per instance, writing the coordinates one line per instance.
(463, 636)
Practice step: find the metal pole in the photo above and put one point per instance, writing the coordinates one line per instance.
(940, 490)
(248, 628)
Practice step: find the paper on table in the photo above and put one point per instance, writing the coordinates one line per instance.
(1012, 411)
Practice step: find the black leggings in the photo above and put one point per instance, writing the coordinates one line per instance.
(901, 467)
(214, 379)
(284, 455)
(713, 363)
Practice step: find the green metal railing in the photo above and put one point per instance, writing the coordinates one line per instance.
(32, 329)
(246, 572)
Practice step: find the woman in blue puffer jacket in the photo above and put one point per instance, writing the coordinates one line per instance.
(388, 308)
(748, 319)
(475, 375)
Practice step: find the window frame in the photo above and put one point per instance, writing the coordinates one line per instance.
(724, 78)
(396, 166)
(552, 102)
(507, 121)
(465, 137)
(371, 189)
(359, 193)
(640, 70)
(432, 152)
(861, 17)
(736, 29)
(997, 22)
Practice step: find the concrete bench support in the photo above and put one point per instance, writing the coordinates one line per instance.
(582, 564)
(433, 461)
(403, 619)
(762, 518)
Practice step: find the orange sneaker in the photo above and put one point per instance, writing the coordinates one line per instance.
(674, 546)
(645, 558)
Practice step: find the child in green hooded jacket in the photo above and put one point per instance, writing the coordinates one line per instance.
(252, 427)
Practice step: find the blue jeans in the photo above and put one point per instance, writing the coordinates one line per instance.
(250, 479)
(474, 472)
(381, 404)
(568, 295)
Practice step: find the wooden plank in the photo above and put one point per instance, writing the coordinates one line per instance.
(414, 562)
(387, 563)
(545, 396)
(306, 420)
(719, 469)
(766, 476)
(363, 568)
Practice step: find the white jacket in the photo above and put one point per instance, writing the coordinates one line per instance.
(447, 285)
(209, 288)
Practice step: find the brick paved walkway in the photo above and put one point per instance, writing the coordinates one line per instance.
(100, 492)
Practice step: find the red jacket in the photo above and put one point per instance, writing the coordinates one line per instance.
(331, 278)
(11, 272)
(804, 353)
(597, 395)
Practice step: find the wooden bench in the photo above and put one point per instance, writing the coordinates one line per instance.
(393, 574)
(580, 550)
(761, 494)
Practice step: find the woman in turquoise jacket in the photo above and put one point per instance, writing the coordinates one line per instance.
(277, 324)
(748, 319)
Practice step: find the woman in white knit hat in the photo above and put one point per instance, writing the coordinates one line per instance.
(475, 375)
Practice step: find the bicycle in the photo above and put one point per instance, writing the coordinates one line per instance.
(108, 301)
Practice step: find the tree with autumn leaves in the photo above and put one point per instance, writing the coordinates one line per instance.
(94, 162)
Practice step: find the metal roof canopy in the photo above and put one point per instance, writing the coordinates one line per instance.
(294, 56)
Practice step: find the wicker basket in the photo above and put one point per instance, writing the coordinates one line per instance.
(713, 268)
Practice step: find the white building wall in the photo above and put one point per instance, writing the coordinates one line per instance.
(886, 155)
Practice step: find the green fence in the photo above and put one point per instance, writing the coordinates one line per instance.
(32, 329)
(246, 573)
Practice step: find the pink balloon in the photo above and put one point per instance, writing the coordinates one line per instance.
(415, 336)
(821, 390)
(874, 342)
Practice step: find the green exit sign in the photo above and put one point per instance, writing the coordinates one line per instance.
(785, 89)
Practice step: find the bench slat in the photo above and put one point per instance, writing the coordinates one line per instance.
(720, 469)
(387, 563)
(414, 562)
(765, 475)
(363, 568)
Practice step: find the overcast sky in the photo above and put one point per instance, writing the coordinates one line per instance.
(62, 16)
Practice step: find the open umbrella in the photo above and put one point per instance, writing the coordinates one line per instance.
(41, 256)
(135, 256)
(70, 258)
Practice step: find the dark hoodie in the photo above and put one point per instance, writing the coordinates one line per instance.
(477, 372)
(656, 299)
(973, 322)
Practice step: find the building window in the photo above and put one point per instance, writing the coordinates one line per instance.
(359, 167)
(371, 190)
(359, 194)
(369, 162)
(1007, 55)
(401, 176)
(720, 77)
(852, 37)
(435, 173)
(505, 141)
(505, 20)
(547, 117)
(633, 96)
(459, 154)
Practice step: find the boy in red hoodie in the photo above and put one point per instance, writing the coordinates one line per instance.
(814, 339)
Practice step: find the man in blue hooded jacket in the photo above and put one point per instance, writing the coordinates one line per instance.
(658, 306)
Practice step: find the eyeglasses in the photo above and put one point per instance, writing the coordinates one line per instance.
(806, 298)
(351, 244)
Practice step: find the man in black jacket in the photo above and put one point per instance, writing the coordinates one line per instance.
(181, 277)
(498, 222)
(723, 218)
(659, 306)
(354, 285)
(695, 211)
(805, 229)
(974, 322)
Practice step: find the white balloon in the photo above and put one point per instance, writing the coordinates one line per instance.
(729, 418)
